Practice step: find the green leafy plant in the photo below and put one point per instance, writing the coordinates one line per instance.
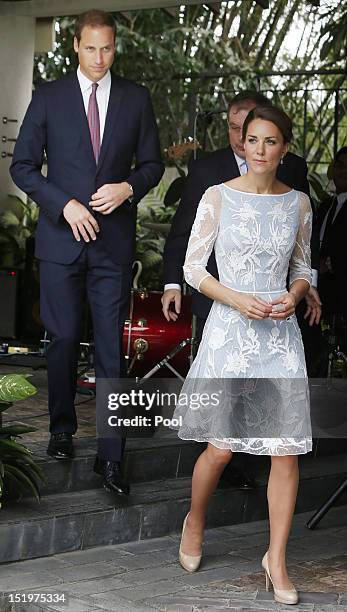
(18, 222)
(18, 470)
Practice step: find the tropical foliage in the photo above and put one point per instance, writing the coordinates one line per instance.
(18, 470)
(199, 55)
(17, 223)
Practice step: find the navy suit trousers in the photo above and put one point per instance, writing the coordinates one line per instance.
(63, 287)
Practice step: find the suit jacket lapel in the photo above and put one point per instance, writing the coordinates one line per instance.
(229, 168)
(77, 108)
(116, 94)
(342, 212)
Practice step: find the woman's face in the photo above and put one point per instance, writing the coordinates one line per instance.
(264, 146)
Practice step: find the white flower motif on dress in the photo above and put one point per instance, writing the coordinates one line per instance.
(291, 360)
(217, 338)
(252, 344)
(247, 212)
(236, 363)
(237, 261)
(272, 342)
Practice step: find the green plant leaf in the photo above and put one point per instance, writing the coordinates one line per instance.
(29, 463)
(27, 481)
(13, 447)
(14, 387)
(16, 430)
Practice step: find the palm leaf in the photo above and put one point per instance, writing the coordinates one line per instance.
(27, 481)
(13, 447)
(16, 430)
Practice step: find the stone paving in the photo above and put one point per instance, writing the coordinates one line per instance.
(145, 575)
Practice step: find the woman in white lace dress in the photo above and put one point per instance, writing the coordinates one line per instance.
(251, 351)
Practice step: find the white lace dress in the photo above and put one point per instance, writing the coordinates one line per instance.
(247, 388)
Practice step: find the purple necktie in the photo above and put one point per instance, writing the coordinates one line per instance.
(94, 122)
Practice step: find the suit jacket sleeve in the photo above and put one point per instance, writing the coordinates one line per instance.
(182, 222)
(148, 164)
(28, 159)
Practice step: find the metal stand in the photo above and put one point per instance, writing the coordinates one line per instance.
(314, 520)
(167, 358)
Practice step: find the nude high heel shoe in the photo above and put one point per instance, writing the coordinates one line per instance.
(285, 596)
(189, 562)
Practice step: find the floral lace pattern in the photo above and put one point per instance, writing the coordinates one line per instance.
(257, 240)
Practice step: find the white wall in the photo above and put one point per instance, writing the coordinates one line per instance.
(17, 39)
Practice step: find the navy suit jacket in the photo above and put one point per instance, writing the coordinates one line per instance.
(56, 125)
(218, 167)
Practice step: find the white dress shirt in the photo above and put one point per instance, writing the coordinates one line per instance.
(102, 95)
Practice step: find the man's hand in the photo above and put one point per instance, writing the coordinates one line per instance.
(81, 221)
(110, 196)
(314, 306)
(171, 295)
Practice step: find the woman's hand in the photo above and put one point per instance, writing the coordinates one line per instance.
(251, 306)
(283, 306)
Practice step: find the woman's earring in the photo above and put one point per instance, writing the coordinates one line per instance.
(281, 162)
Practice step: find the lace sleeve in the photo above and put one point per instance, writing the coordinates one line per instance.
(300, 262)
(202, 238)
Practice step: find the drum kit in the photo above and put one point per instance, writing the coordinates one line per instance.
(150, 343)
(152, 346)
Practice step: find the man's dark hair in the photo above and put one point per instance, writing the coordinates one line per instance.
(342, 151)
(273, 114)
(249, 95)
(94, 19)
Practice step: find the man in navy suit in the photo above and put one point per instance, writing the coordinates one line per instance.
(91, 125)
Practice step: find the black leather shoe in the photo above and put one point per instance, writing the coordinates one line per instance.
(60, 446)
(113, 480)
(236, 477)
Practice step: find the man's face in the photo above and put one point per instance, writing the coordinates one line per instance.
(236, 118)
(95, 51)
(340, 173)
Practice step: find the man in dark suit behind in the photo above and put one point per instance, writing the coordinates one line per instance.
(90, 124)
(220, 166)
(332, 225)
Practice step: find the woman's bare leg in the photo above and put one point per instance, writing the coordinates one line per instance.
(281, 493)
(207, 471)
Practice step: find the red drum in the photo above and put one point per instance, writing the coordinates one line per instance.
(148, 337)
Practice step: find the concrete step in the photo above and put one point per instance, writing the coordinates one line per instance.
(77, 520)
(145, 459)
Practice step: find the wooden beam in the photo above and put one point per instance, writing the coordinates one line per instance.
(56, 8)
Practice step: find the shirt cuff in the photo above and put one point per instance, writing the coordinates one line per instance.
(172, 286)
(314, 282)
